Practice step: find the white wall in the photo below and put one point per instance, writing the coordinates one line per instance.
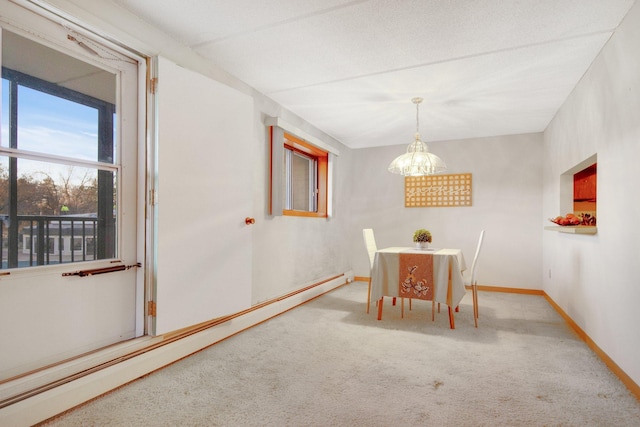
(594, 278)
(507, 197)
(288, 252)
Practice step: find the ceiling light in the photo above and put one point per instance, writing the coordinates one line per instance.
(417, 161)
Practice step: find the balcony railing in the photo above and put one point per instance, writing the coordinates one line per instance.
(45, 239)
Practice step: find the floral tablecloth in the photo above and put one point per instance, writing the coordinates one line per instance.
(386, 278)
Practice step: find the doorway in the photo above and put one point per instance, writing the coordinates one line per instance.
(71, 276)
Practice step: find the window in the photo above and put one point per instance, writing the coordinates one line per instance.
(305, 178)
(57, 157)
(301, 172)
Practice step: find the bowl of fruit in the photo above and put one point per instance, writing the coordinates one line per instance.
(567, 220)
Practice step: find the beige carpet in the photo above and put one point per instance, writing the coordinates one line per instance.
(327, 363)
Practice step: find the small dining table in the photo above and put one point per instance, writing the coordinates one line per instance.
(395, 274)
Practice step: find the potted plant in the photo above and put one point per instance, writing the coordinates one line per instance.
(422, 238)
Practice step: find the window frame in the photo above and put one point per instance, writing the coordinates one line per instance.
(321, 160)
(281, 139)
(292, 160)
(106, 167)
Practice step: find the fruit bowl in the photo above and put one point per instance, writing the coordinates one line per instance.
(572, 220)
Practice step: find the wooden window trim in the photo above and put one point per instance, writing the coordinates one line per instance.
(322, 157)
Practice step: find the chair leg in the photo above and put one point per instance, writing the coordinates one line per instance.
(380, 302)
(394, 301)
(369, 295)
(402, 308)
(474, 289)
(433, 310)
(410, 308)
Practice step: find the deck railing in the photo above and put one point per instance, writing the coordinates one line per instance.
(49, 239)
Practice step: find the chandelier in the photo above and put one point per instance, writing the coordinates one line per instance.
(417, 161)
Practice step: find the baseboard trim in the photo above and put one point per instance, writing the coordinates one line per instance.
(53, 401)
(510, 290)
(626, 379)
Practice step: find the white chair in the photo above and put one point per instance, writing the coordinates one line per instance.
(470, 279)
(370, 244)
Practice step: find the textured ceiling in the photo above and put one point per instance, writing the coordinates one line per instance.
(351, 68)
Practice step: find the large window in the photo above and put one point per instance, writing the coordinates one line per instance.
(57, 172)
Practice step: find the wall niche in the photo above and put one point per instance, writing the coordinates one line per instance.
(585, 193)
(579, 197)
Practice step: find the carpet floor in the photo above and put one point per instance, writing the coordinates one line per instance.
(328, 363)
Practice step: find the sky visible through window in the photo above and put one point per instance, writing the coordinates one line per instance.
(50, 125)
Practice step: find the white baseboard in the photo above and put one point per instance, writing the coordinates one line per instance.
(52, 402)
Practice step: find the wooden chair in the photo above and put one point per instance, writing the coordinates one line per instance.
(470, 279)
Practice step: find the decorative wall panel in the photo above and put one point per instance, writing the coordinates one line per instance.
(438, 190)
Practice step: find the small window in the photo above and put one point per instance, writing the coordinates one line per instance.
(305, 178)
(300, 172)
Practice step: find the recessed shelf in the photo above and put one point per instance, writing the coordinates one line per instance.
(578, 229)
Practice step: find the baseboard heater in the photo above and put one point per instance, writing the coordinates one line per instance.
(53, 398)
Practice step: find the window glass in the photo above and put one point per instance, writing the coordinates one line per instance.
(305, 180)
(301, 181)
(60, 205)
(300, 170)
(70, 129)
(58, 187)
(4, 129)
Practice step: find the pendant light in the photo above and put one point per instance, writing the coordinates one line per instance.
(417, 161)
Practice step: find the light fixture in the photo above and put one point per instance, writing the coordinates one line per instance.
(417, 161)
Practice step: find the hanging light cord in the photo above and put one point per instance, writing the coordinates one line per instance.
(417, 101)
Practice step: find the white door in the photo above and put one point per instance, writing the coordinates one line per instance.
(68, 184)
(205, 153)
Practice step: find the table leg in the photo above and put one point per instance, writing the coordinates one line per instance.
(380, 301)
(452, 322)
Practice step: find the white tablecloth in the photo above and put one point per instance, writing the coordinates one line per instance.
(385, 275)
